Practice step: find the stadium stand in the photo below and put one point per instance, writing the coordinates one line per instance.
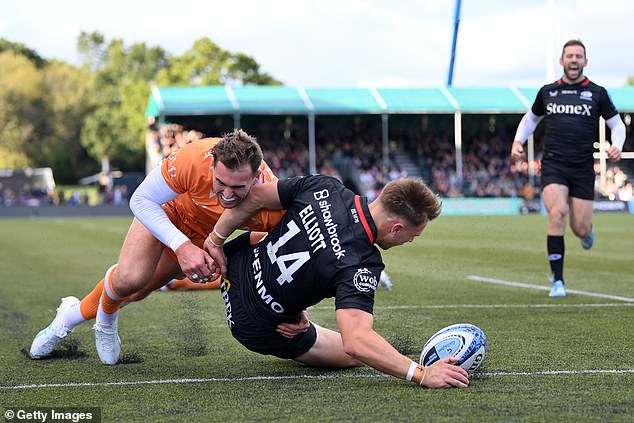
(368, 136)
(457, 139)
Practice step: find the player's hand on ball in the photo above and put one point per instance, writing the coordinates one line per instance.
(443, 374)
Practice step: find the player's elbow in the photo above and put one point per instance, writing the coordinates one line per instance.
(353, 346)
(351, 349)
(135, 203)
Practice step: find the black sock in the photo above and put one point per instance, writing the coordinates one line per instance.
(555, 246)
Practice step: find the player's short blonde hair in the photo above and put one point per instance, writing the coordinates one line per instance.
(410, 199)
(238, 148)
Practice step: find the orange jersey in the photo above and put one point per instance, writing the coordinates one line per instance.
(189, 172)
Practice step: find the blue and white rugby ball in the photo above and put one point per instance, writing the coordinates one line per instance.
(466, 342)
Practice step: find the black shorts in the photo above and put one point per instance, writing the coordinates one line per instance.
(579, 180)
(253, 325)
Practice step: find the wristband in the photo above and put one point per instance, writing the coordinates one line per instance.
(211, 241)
(224, 238)
(418, 377)
(423, 378)
(410, 372)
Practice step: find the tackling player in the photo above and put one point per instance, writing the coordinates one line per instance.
(323, 247)
(571, 108)
(175, 207)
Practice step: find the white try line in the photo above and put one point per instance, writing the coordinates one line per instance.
(545, 288)
(555, 373)
(329, 376)
(454, 306)
(446, 306)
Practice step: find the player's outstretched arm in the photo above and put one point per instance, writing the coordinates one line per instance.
(363, 343)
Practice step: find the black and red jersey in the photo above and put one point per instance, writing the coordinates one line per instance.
(323, 247)
(571, 116)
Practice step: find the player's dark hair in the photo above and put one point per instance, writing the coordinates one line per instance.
(238, 148)
(570, 43)
(411, 199)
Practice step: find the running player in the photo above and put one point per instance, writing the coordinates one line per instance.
(175, 207)
(323, 247)
(185, 284)
(571, 108)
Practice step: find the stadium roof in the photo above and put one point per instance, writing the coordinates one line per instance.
(280, 100)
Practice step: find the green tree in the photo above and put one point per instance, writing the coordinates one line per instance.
(244, 68)
(206, 63)
(115, 131)
(41, 114)
(20, 83)
(22, 50)
(68, 97)
(73, 119)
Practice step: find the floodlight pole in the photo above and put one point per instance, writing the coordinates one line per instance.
(453, 43)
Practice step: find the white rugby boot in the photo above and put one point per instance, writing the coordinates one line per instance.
(48, 338)
(558, 289)
(107, 342)
(385, 281)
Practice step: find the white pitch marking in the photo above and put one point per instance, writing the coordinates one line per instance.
(554, 373)
(505, 306)
(278, 378)
(545, 288)
(450, 306)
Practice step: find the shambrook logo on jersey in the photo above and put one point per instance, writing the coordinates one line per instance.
(331, 226)
(568, 109)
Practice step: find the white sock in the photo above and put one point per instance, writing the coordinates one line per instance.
(104, 318)
(73, 317)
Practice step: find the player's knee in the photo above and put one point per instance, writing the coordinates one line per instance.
(557, 217)
(558, 213)
(581, 231)
(126, 281)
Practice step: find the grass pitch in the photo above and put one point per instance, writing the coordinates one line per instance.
(549, 360)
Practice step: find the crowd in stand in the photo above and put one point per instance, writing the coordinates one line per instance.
(353, 154)
(33, 195)
(617, 186)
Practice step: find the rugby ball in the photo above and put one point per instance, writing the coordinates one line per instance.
(466, 342)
